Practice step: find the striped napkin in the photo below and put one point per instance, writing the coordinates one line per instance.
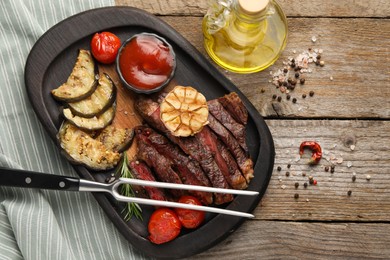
(38, 224)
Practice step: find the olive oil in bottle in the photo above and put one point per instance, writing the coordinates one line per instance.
(245, 36)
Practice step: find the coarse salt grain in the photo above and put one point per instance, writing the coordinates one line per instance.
(313, 39)
(283, 187)
(352, 147)
(349, 164)
(368, 177)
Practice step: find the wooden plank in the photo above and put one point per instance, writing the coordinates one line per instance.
(355, 52)
(328, 200)
(307, 8)
(294, 240)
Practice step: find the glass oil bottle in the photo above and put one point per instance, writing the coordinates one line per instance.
(244, 36)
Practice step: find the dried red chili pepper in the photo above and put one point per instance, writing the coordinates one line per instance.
(315, 148)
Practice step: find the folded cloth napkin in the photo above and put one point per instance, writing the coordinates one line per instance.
(40, 224)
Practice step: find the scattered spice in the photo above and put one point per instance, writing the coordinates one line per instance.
(279, 98)
(289, 166)
(294, 100)
(274, 96)
(305, 185)
(288, 96)
(262, 90)
(279, 168)
(326, 168)
(311, 93)
(332, 167)
(303, 95)
(296, 185)
(287, 174)
(296, 196)
(353, 178)
(315, 148)
(349, 193)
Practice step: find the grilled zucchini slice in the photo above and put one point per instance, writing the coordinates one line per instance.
(82, 81)
(98, 102)
(116, 139)
(93, 123)
(83, 149)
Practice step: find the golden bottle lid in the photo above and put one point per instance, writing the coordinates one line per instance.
(252, 7)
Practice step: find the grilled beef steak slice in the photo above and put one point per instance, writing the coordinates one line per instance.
(161, 165)
(142, 172)
(189, 145)
(224, 117)
(243, 160)
(209, 140)
(233, 103)
(188, 170)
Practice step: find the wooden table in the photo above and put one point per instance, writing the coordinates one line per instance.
(348, 115)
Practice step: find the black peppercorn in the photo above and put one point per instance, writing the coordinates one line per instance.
(287, 174)
(326, 168)
(305, 185)
(289, 166)
(303, 95)
(296, 185)
(279, 168)
(279, 98)
(285, 70)
(288, 96)
(297, 75)
(274, 96)
(296, 195)
(294, 100)
(302, 80)
(292, 65)
(353, 178)
(311, 93)
(285, 83)
(349, 193)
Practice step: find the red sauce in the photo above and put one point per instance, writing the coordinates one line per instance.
(146, 62)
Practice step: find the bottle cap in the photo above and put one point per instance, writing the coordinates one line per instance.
(253, 6)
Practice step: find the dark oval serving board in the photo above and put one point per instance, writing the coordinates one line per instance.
(49, 64)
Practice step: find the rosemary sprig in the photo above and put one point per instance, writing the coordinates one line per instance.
(131, 208)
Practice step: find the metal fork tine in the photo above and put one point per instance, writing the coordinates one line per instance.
(185, 187)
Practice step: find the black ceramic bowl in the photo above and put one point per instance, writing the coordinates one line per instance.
(134, 87)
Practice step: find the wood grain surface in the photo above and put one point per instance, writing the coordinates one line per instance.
(307, 8)
(349, 115)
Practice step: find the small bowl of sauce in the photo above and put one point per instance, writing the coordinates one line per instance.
(145, 63)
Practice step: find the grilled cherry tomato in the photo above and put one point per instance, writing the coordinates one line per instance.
(105, 46)
(190, 218)
(164, 226)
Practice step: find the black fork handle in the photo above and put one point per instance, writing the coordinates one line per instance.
(38, 180)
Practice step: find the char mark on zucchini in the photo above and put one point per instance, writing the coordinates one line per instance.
(82, 81)
(100, 100)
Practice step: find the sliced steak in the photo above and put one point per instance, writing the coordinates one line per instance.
(189, 145)
(161, 165)
(233, 103)
(224, 117)
(243, 160)
(188, 169)
(233, 176)
(142, 172)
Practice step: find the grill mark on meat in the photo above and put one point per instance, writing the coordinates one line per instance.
(189, 145)
(142, 172)
(243, 160)
(234, 105)
(236, 175)
(232, 176)
(188, 170)
(161, 165)
(223, 116)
